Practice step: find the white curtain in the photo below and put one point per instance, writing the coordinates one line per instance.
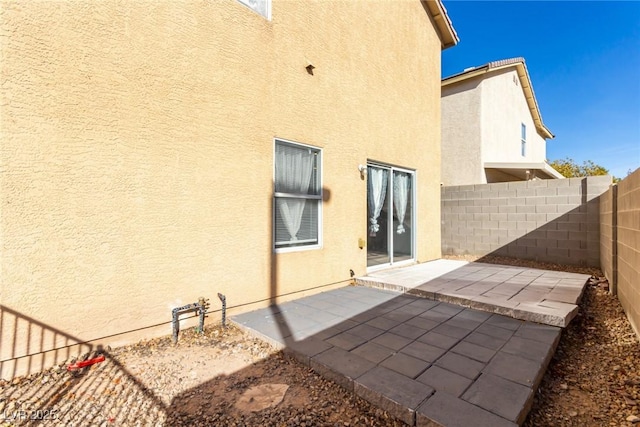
(260, 6)
(377, 192)
(294, 167)
(400, 196)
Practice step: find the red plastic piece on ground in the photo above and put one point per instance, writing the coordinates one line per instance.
(88, 362)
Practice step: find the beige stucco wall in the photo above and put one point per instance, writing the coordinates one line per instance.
(137, 155)
(461, 137)
(504, 109)
(481, 123)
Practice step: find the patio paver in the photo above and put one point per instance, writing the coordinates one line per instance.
(423, 361)
(541, 296)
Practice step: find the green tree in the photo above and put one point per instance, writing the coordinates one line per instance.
(570, 169)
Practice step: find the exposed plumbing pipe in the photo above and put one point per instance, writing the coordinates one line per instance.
(224, 309)
(200, 307)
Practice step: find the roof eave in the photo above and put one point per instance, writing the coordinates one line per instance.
(444, 26)
(530, 96)
(545, 167)
(551, 171)
(525, 82)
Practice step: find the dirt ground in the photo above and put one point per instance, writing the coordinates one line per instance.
(593, 380)
(594, 377)
(199, 382)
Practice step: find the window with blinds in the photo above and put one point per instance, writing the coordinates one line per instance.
(297, 195)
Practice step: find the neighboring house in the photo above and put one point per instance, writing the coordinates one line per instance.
(492, 130)
(156, 152)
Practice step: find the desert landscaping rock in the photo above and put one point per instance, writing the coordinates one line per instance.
(197, 382)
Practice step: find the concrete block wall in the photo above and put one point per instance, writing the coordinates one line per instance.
(545, 220)
(620, 244)
(608, 236)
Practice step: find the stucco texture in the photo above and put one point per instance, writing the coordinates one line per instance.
(504, 110)
(461, 159)
(137, 155)
(481, 123)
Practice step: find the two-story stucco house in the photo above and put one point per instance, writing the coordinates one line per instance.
(492, 130)
(156, 152)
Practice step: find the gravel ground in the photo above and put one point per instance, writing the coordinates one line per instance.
(593, 380)
(196, 382)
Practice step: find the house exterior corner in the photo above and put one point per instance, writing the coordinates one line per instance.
(139, 143)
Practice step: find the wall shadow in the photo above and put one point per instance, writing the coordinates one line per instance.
(535, 220)
(274, 289)
(59, 393)
(569, 239)
(30, 345)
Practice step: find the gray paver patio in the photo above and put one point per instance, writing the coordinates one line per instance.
(423, 361)
(542, 296)
(432, 360)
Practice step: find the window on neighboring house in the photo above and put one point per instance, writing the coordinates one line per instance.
(523, 140)
(263, 7)
(297, 195)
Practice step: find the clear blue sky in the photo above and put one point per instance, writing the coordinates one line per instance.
(583, 58)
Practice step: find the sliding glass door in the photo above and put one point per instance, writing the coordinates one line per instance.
(390, 215)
